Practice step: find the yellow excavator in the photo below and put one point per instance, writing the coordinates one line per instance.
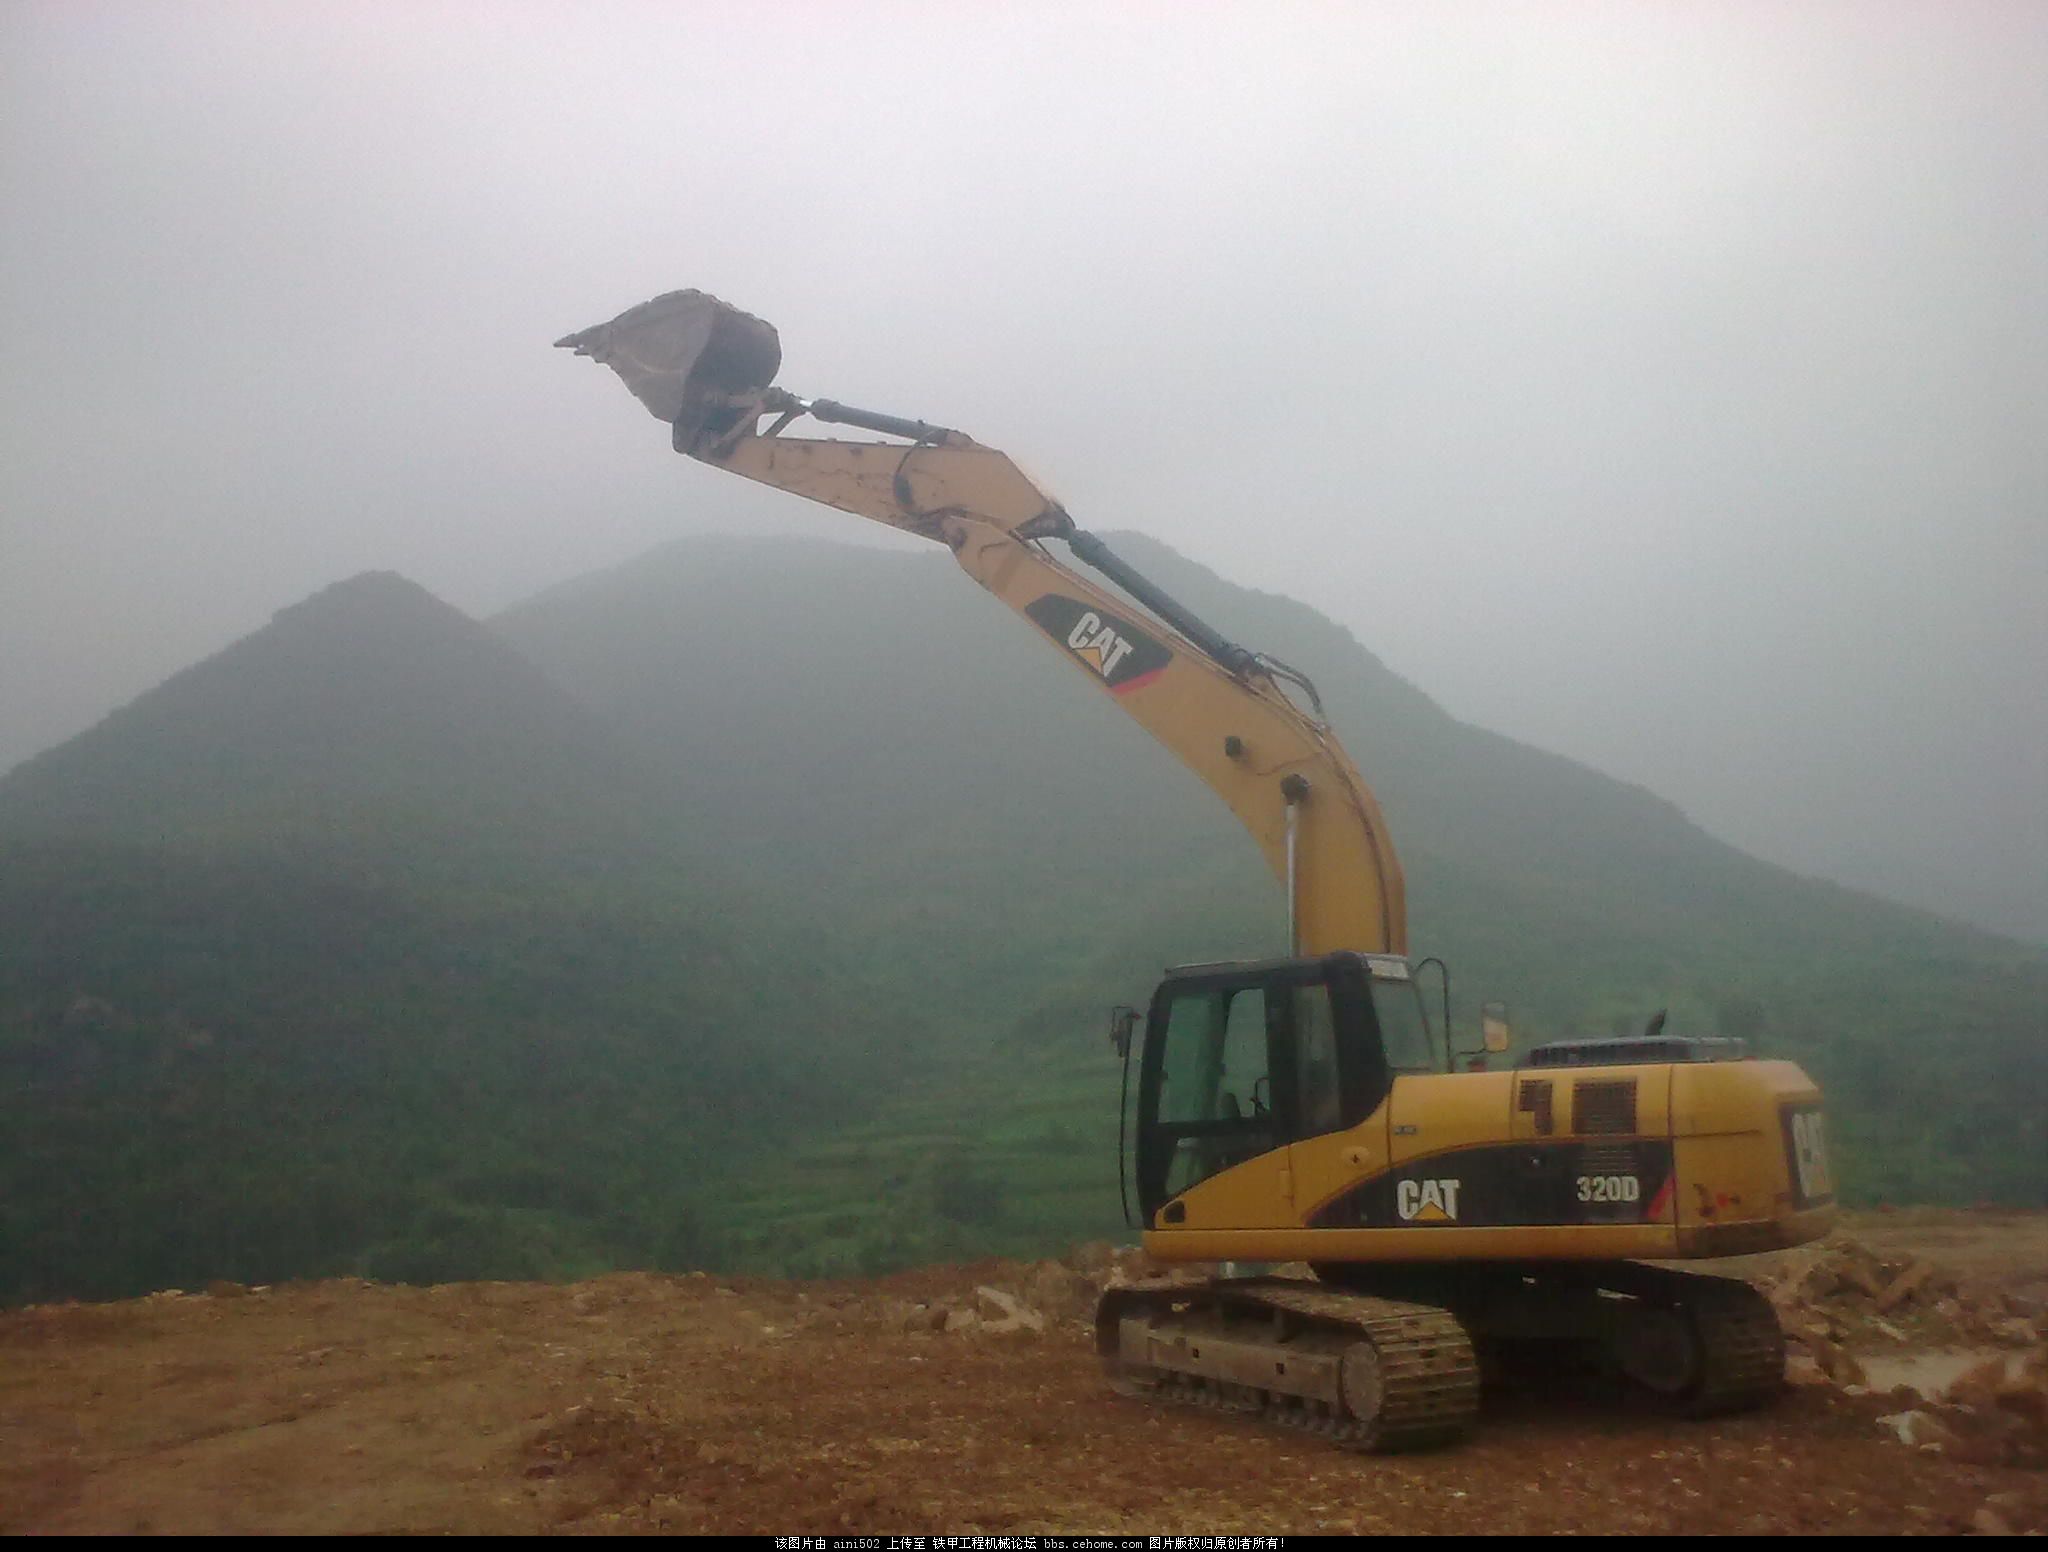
(1306, 1108)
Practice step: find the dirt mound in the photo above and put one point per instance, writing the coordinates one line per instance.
(703, 1404)
(1964, 1358)
(1030, 1298)
(1845, 1292)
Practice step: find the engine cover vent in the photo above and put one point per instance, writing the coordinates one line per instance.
(1604, 1108)
(1634, 1051)
(1610, 1158)
(1533, 1098)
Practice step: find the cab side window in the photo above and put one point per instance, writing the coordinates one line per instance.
(1319, 1097)
(1215, 1090)
(1405, 1034)
(1214, 1066)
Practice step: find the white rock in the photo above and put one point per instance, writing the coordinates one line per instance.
(1011, 1315)
(1921, 1429)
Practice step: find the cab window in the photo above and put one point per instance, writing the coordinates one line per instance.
(1410, 1044)
(1214, 1067)
(1215, 1090)
(1319, 1097)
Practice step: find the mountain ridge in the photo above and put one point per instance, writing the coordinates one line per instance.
(371, 720)
(754, 903)
(361, 946)
(1587, 902)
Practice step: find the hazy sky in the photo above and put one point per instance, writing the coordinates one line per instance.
(1663, 384)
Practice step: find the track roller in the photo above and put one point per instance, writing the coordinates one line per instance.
(1370, 1374)
(1706, 1345)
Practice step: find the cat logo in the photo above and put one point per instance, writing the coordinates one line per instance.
(1098, 642)
(1806, 1145)
(1427, 1201)
(1120, 653)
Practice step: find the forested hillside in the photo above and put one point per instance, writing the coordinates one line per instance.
(363, 947)
(758, 903)
(912, 756)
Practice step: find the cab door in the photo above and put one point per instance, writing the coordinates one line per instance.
(1341, 1129)
(1216, 1107)
(1446, 1131)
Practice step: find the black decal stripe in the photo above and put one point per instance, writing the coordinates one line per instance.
(1057, 615)
(1512, 1185)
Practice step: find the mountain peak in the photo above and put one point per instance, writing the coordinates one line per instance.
(366, 589)
(368, 606)
(367, 708)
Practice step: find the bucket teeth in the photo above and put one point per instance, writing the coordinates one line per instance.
(683, 354)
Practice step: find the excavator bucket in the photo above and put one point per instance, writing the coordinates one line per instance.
(686, 355)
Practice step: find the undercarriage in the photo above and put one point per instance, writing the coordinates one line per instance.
(1390, 1358)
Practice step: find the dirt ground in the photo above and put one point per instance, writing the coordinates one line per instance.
(642, 1403)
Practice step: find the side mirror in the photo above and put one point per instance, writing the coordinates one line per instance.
(1122, 1020)
(1493, 1026)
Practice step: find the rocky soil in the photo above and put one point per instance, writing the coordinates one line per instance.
(966, 1400)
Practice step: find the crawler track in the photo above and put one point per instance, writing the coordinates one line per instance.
(1367, 1373)
(1742, 1350)
(1739, 1348)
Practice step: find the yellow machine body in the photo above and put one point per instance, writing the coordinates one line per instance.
(1712, 1159)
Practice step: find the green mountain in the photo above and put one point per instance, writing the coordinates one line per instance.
(363, 947)
(757, 903)
(869, 734)
(369, 719)
(882, 737)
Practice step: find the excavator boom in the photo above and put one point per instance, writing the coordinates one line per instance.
(706, 368)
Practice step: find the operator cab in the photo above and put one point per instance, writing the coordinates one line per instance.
(1244, 1057)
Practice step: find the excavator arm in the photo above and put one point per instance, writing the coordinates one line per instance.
(1218, 707)
(1215, 706)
